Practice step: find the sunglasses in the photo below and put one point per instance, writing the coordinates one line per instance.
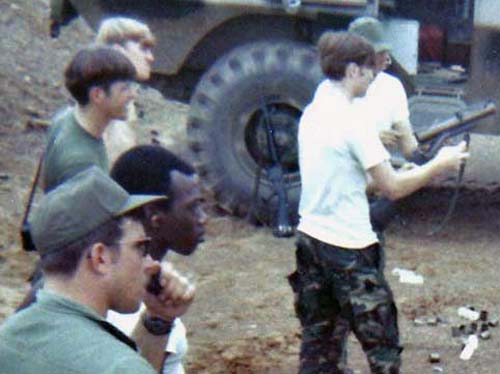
(143, 246)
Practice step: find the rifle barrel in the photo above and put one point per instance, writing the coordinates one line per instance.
(461, 118)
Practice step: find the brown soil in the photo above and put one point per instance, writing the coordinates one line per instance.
(242, 320)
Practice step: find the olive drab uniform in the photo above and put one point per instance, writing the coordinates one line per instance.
(70, 150)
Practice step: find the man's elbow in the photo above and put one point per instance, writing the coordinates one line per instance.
(386, 181)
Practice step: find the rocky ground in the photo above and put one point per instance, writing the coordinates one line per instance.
(242, 320)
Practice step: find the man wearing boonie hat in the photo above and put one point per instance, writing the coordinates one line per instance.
(387, 105)
(94, 255)
(386, 98)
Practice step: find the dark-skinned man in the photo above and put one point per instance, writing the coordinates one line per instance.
(175, 225)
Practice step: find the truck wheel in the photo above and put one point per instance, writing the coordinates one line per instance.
(226, 128)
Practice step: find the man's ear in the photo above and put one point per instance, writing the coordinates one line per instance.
(119, 47)
(154, 216)
(96, 94)
(100, 257)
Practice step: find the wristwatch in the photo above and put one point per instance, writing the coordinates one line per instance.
(157, 326)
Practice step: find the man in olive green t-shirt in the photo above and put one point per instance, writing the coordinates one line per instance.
(95, 258)
(100, 79)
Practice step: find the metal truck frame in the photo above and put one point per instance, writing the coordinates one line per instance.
(245, 64)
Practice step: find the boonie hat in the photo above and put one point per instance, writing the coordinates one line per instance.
(78, 206)
(371, 29)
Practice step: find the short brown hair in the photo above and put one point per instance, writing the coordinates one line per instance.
(119, 30)
(339, 49)
(96, 66)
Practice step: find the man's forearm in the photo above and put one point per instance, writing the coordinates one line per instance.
(395, 185)
(409, 181)
(152, 347)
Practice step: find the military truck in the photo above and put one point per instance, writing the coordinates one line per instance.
(248, 67)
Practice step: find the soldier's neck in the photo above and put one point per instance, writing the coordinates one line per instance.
(91, 120)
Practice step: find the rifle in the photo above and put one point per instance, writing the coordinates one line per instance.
(25, 232)
(382, 211)
(461, 122)
(283, 227)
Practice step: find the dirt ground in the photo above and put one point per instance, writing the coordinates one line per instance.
(242, 320)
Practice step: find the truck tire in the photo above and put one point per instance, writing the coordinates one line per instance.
(226, 130)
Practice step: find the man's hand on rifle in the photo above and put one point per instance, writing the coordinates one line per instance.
(390, 138)
(450, 158)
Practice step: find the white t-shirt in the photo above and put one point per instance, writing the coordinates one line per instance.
(177, 344)
(386, 101)
(119, 136)
(337, 144)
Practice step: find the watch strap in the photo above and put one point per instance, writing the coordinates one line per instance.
(157, 326)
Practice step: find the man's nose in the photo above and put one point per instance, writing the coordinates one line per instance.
(202, 216)
(388, 59)
(150, 57)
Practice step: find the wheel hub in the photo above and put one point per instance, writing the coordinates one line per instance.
(283, 120)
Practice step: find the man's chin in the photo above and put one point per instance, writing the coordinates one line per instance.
(121, 117)
(361, 94)
(129, 309)
(186, 251)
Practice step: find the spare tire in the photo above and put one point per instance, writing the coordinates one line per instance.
(225, 126)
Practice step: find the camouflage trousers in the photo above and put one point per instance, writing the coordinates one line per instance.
(340, 290)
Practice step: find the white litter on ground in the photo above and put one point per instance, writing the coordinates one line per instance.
(408, 276)
(468, 313)
(470, 347)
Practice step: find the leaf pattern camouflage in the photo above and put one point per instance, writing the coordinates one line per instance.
(340, 290)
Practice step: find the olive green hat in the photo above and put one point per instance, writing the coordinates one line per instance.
(371, 29)
(78, 206)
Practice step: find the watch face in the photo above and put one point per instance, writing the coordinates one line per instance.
(157, 326)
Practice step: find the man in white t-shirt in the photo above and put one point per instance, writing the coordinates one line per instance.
(339, 285)
(386, 98)
(174, 225)
(387, 105)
